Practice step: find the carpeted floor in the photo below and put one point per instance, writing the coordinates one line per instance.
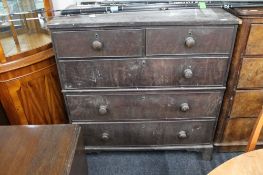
(153, 163)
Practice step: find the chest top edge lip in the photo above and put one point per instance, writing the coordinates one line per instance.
(137, 25)
(209, 16)
(134, 27)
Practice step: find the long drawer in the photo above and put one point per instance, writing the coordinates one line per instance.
(255, 40)
(148, 133)
(247, 103)
(239, 130)
(251, 74)
(189, 40)
(143, 72)
(99, 43)
(121, 106)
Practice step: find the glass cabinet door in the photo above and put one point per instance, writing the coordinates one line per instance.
(25, 20)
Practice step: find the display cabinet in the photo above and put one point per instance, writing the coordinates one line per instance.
(29, 87)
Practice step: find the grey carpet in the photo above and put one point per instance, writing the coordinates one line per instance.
(153, 163)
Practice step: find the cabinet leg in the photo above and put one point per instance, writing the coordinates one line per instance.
(207, 154)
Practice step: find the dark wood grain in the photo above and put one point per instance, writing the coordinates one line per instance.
(42, 150)
(143, 105)
(115, 43)
(171, 40)
(142, 72)
(148, 133)
(132, 85)
(209, 16)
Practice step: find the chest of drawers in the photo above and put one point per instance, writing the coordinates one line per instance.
(244, 96)
(145, 80)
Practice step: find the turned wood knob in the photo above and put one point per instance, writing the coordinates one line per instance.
(189, 42)
(182, 135)
(97, 45)
(105, 136)
(188, 73)
(103, 110)
(184, 107)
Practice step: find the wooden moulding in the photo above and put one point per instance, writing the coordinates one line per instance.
(29, 88)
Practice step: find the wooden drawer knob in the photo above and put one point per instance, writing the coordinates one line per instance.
(184, 107)
(103, 110)
(189, 42)
(188, 73)
(182, 135)
(97, 45)
(105, 136)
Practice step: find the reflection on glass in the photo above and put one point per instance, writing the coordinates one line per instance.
(29, 24)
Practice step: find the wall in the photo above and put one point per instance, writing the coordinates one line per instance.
(59, 4)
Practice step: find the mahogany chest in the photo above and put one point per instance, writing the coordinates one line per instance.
(145, 80)
(42, 150)
(244, 96)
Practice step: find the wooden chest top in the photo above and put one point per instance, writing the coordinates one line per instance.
(26, 150)
(248, 12)
(145, 18)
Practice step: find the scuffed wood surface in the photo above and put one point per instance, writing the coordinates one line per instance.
(115, 43)
(142, 72)
(143, 106)
(171, 40)
(166, 17)
(148, 133)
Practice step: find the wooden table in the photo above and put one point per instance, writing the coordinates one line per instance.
(246, 164)
(47, 150)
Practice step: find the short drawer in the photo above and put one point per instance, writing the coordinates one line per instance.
(116, 106)
(255, 40)
(99, 43)
(154, 72)
(189, 40)
(148, 133)
(251, 74)
(247, 103)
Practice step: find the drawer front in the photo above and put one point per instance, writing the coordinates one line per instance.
(251, 75)
(143, 105)
(239, 130)
(143, 73)
(189, 40)
(148, 133)
(247, 103)
(98, 43)
(255, 40)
